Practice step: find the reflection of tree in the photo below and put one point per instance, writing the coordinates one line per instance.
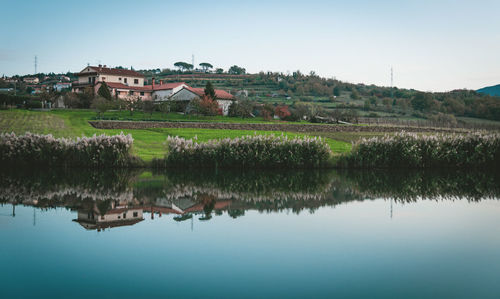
(208, 202)
(235, 213)
(408, 186)
(209, 192)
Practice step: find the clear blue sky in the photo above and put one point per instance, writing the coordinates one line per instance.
(432, 45)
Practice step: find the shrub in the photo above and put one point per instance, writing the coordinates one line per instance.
(96, 151)
(258, 151)
(205, 106)
(409, 150)
(33, 104)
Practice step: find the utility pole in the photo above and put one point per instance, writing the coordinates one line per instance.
(36, 65)
(192, 62)
(392, 84)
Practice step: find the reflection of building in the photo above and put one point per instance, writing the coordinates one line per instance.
(120, 216)
(181, 206)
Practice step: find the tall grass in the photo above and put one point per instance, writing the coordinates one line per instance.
(95, 151)
(409, 150)
(258, 151)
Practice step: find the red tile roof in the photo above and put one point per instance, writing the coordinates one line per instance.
(219, 94)
(127, 87)
(117, 72)
(167, 86)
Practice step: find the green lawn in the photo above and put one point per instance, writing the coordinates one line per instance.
(148, 143)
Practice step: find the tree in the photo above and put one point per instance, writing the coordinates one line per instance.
(219, 71)
(103, 91)
(164, 107)
(422, 101)
(71, 100)
(236, 70)
(101, 105)
(242, 108)
(209, 90)
(205, 106)
(86, 97)
(183, 66)
(206, 66)
(148, 107)
(336, 91)
(282, 111)
(355, 95)
(367, 105)
(267, 111)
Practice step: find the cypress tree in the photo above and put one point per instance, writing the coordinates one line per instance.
(104, 91)
(209, 90)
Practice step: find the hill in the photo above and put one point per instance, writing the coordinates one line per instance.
(332, 96)
(490, 90)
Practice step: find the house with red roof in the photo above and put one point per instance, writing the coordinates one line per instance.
(129, 85)
(187, 93)
(123, 83)
(163, 91)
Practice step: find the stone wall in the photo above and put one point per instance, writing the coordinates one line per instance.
(287, 127)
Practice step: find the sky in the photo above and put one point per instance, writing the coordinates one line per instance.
(431, 45)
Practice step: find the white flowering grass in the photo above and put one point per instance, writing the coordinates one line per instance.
(410, 150)
(95, 151)
(257, 151)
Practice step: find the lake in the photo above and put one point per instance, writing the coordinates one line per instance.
(199, 233)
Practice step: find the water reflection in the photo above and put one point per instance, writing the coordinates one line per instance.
(108, 199)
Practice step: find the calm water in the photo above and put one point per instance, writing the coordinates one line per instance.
(79, 234)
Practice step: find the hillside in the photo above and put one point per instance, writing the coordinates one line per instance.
(490, 90)
(374, 103)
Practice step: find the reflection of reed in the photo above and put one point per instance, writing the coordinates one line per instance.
(263, 191)
(411, 186)
(62, 187)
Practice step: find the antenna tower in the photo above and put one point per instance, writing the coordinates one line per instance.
(392, 83)
(36, 64)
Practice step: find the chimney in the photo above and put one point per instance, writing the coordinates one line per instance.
(161, 82)
(104, 66)
(153, 82)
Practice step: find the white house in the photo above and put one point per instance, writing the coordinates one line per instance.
(31, 80)
(162, 91)
(223, 98)
(92, 219)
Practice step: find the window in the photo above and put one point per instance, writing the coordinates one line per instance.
(136, 81)
(125, 80)
(131, 92)
(120, 78)
(135, 214)
(142, 93)
(103, 78)
(90, 80)
(124, 215)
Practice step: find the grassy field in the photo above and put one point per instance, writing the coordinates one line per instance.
(148, 143)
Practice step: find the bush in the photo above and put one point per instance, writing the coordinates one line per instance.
(242, 108)
(408, 150)
(33, 104)
(205, 106)
(259, 151)
(96, 151)
(10, 99)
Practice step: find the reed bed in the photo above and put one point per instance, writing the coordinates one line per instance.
(410, 150)
(95, 151)
(257, 151)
